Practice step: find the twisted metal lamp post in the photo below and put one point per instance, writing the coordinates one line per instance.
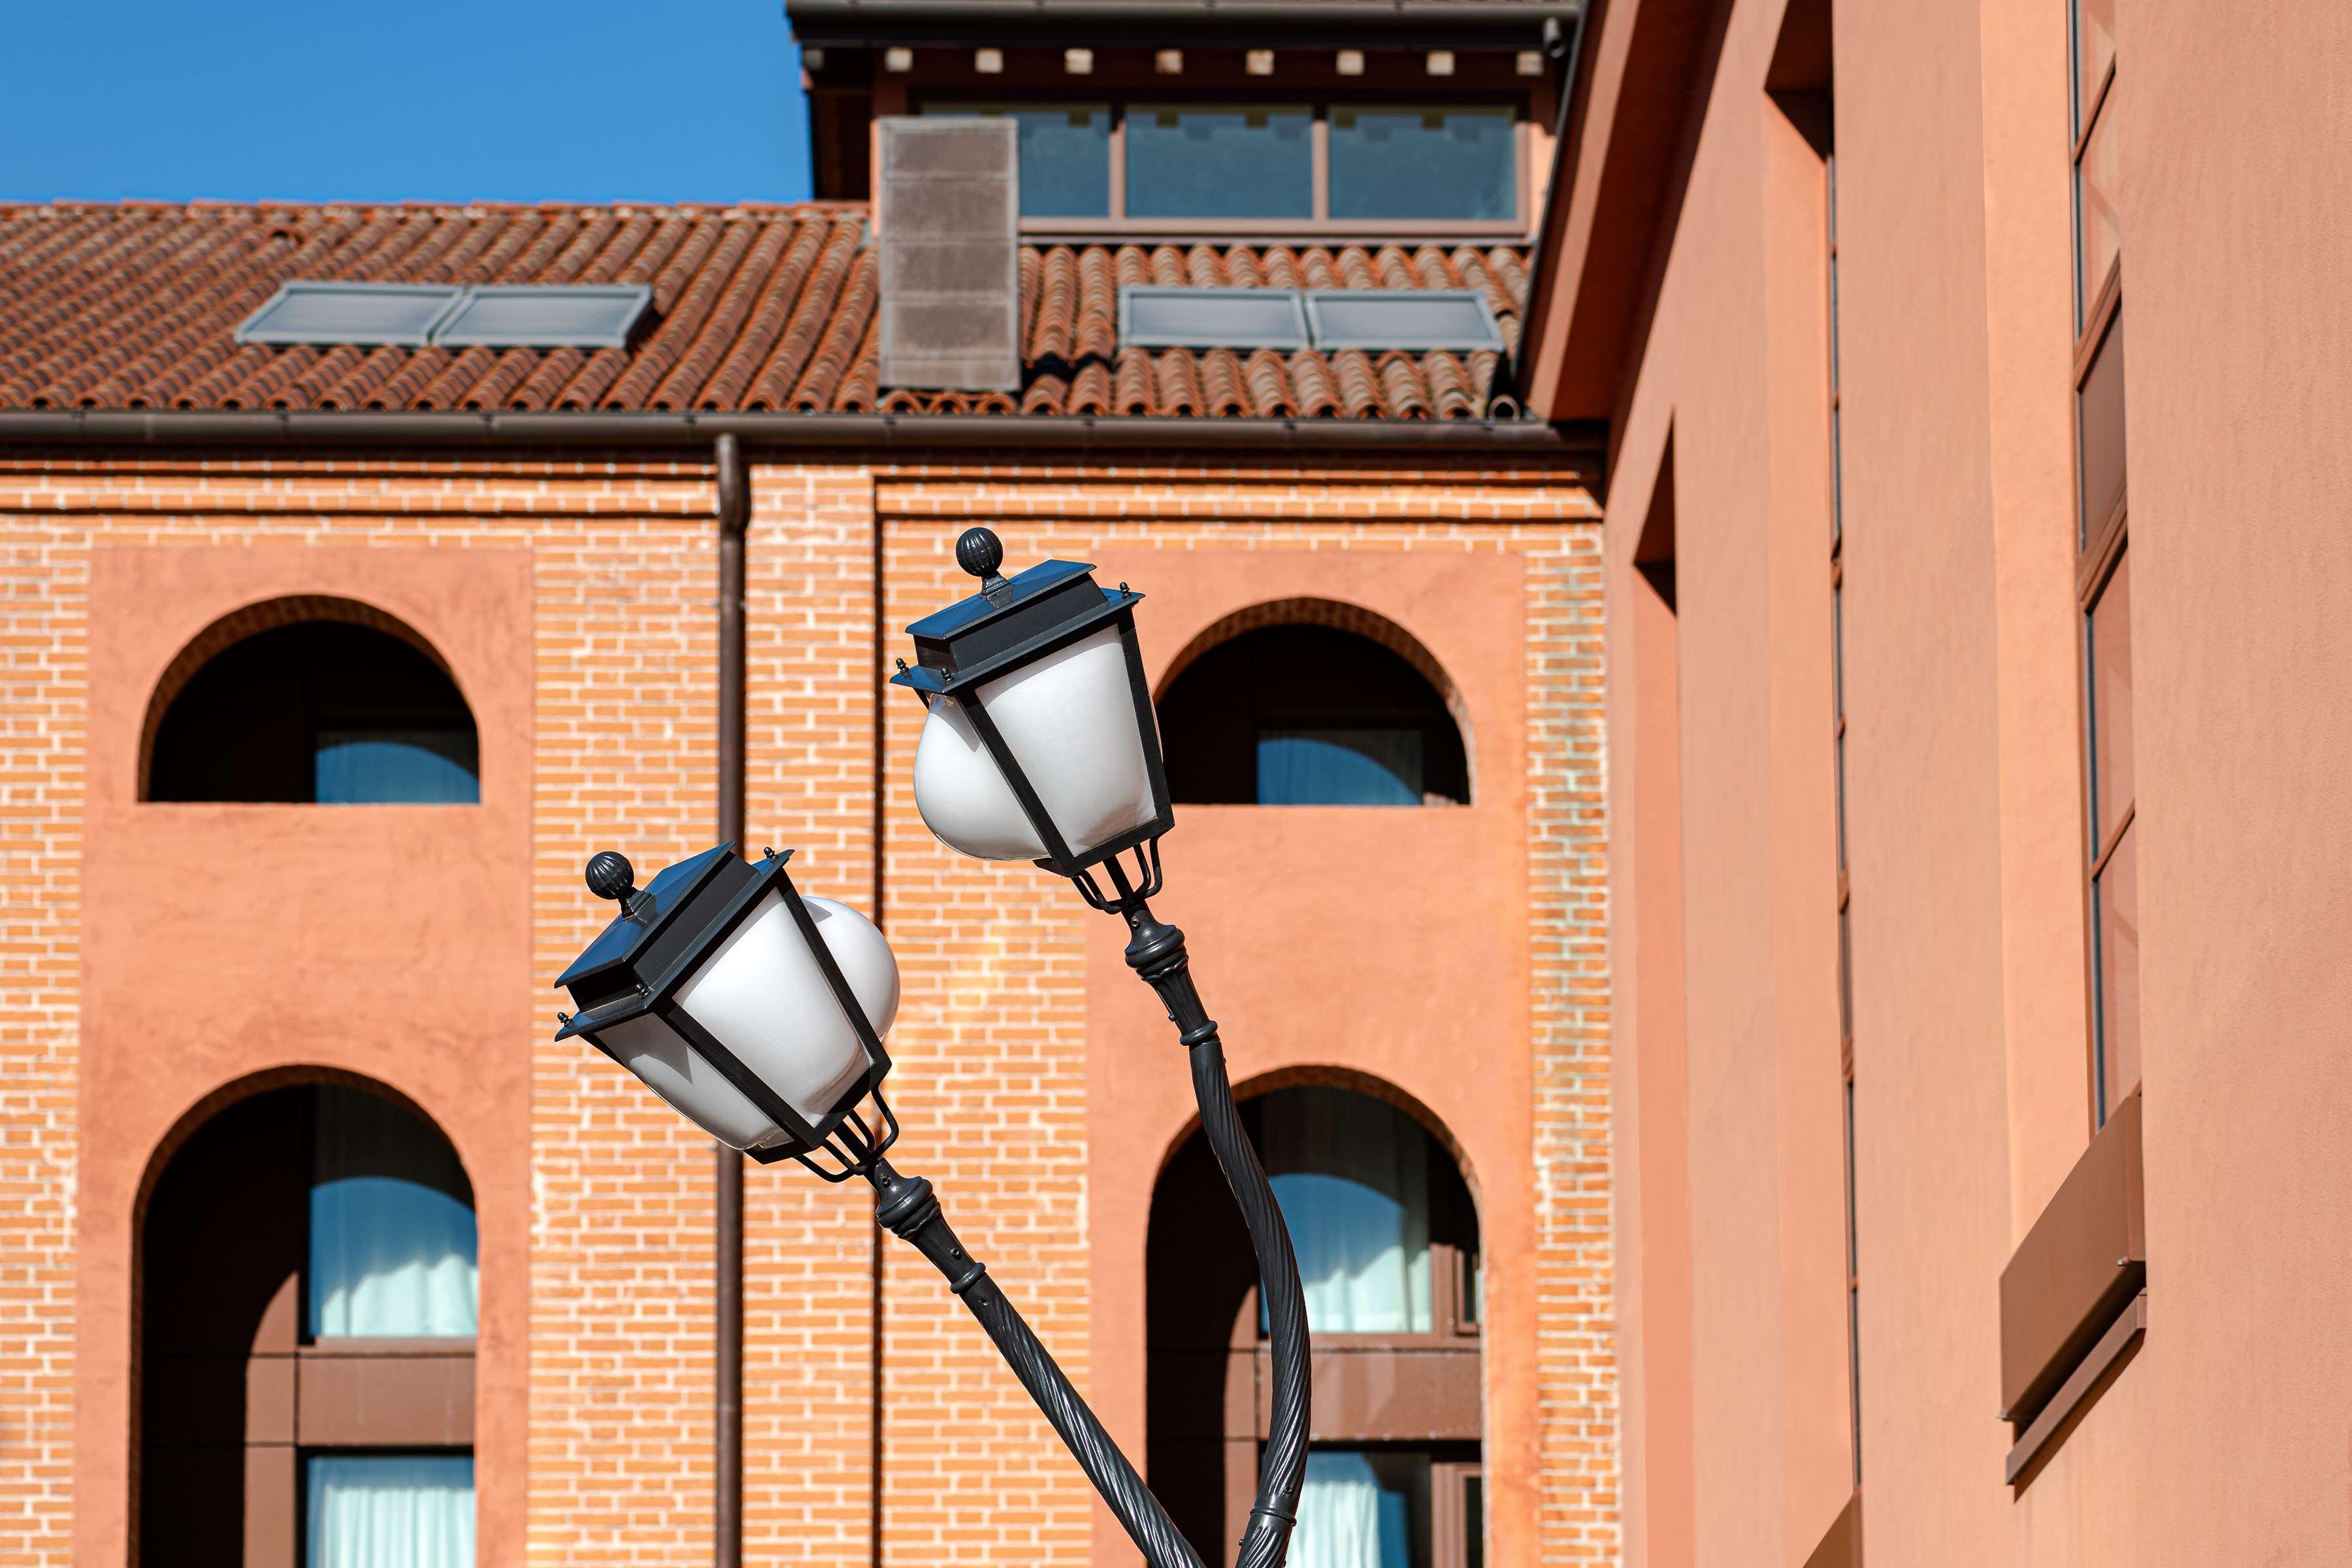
(759, 1012)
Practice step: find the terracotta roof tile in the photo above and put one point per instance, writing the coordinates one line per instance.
(757, 308)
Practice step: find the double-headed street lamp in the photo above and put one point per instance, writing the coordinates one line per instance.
(759, 1012)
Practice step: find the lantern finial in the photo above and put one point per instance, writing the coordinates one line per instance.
(610, 876)
(981, 552)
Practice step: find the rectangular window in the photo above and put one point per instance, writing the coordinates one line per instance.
(1065, 154)
(1419, 167)
(2096, 179)
(1398, 161)
(2103, 564)
(2099, 434)
(388, 1510)
(2115, 928)
(1204, 160)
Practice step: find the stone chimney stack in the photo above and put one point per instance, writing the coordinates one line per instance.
(947, 207)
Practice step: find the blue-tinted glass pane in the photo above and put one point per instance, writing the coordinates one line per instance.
(1219, 161)
(1340, 767)
(392, 1238)
(396, 767)
(1352, 1176)
(389, 1511)
(1396, 162)
(1065, 154)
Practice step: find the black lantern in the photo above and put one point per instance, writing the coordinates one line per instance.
(759, 1013)
(755, 1010)
(1041, 743)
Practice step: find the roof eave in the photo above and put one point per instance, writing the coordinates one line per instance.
(1298, 24)
(261, 433)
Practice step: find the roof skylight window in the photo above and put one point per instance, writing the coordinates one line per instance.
(546, 316)
(415, 315)
(400, 314)
(1154, 317)
(1419, 319)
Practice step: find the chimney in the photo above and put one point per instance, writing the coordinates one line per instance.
(947, 204)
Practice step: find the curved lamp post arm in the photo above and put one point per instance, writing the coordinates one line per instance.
(909, 1208)
(1156, 952)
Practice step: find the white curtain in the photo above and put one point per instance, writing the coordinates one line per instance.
(1351, 1174)
(1346, 1517)
(391, 1512)
(392, 1240)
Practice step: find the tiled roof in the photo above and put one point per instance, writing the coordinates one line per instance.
(758, 309)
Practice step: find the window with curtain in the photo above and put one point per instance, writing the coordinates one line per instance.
(391, 1226)
(1387, 1243)
(1309, 715)
(388, 1510)
(319, 712)
(1362, 1509)
(1351, 1175)
(308, 1395)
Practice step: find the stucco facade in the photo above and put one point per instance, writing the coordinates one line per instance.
(1943, 522)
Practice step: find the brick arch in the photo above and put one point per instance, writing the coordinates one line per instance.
(159, 1158)
(1340, 616)
(253, 619)
(1354, 1080)
(1201, 1318)
(235, 1090)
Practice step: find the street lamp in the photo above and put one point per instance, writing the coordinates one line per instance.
(759, 1013)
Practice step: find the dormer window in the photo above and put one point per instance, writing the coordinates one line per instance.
(1162, 165)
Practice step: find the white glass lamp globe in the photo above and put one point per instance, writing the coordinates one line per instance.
(1069, 721)
(763, 995)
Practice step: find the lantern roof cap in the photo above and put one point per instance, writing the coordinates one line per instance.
(660, 932)
(1021, 588)
(1010, 620)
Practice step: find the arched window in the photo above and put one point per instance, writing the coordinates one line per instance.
(1387, 1247)
(331, 711)
(307, 1288)
(1310, 714)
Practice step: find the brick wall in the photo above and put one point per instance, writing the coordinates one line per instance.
(42, 680)
(989, 1044)
(990, 1041)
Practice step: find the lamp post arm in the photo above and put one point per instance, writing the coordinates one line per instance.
(1156, 952)
(908, 1207)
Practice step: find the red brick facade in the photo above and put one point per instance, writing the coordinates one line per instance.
(611, 1403)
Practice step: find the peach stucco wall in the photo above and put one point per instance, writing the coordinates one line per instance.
(2224, 1439)
(222, 942)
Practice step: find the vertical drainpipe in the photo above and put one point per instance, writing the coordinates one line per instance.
(734, 513)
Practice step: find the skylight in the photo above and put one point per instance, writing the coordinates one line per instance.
(1416, 319)
(1153, 317)
(400, 314)
(414, 315)
(546, 316)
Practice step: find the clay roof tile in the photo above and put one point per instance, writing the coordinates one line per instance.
(755, 307)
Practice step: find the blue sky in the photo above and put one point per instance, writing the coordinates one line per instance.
(388, 99)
